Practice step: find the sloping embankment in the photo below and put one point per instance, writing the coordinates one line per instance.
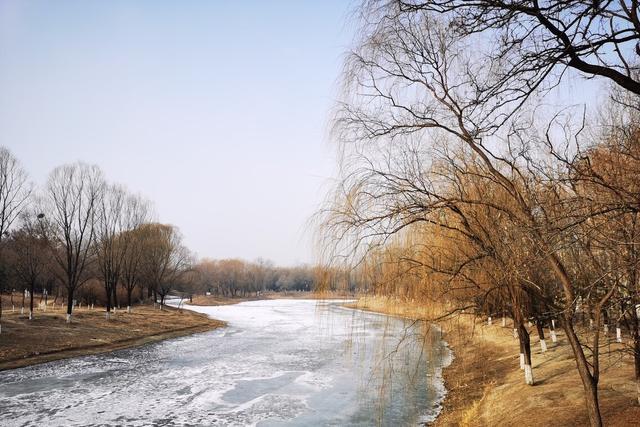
(48, 337)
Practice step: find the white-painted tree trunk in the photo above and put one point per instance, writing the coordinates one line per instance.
(553, 323)
(618, 335)
(606, 329)
(554, 337)
(128, 309)
(489, 321)
(13, 308)
(108, 315)
(521, 360)
(21, 310)
(504, 322)
(543, 346)
(590, 323)
(91, 306)
(30, 315)
(68, 318)
(528, 375)
(515, 333)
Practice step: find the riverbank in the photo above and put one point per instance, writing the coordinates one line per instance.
(213, 300)
(48, 337)
(486, 387)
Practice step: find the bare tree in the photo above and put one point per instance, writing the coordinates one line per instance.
(137, 212)
(110, 248)
(29, 252)
(72, 198)
(14, 194)
(534, 42)
(422, 71)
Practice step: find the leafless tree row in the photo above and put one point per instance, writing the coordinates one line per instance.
(237, 278)
(78, 229)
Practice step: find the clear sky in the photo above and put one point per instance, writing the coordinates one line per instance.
(216, 111)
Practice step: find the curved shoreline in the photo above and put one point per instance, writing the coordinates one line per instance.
(49, 338)
(87, 350)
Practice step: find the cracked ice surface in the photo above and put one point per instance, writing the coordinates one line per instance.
(279, 362)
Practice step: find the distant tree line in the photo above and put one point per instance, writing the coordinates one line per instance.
(238, 278)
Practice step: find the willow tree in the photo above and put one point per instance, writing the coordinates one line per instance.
(468, 73)
(165, 259)
(137, 212)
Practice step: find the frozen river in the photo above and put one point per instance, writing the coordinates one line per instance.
(279, 362)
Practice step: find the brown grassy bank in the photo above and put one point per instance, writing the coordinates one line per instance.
(48, 337)
(486, 387)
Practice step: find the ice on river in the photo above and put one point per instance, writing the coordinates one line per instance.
(278, 362)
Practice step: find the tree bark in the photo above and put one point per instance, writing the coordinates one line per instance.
(525, 345)
(114, 292)
(69, 304)
(32, 288)
(589, 382)
(540, 328)
(129, 292)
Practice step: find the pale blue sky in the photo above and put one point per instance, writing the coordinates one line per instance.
(216, 111)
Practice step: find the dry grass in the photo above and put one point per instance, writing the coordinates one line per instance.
(48, 337)
(486, 387)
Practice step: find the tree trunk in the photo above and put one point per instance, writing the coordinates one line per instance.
(636, 364)
(107, 291)
(31, 300)
(589, 382)
(525, 346)
(114, 293)
(69, 304)
(635, 337)
(543, 343)
(129, 292)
